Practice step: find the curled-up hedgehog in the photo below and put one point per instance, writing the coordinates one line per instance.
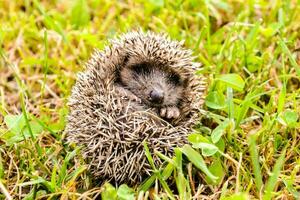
(142, 87)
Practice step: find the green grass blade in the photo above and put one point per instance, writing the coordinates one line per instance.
(148, 155)
(63, 170)
(273, 179)
(197, 160)
(80, 14)
(49, 21)
(255, 162)
(287, 52)
(45, 63)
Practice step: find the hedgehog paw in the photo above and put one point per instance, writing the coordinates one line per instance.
(170, 112)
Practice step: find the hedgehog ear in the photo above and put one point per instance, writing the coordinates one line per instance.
(126, 58)
(185, 82)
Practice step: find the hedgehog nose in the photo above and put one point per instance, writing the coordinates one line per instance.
(156, 96)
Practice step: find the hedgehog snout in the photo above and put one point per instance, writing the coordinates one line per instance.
(156, 96)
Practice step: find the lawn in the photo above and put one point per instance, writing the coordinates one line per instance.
(247, 143)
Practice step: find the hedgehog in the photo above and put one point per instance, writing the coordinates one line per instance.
(141, 88)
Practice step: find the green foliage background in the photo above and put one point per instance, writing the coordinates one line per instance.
(248, 135)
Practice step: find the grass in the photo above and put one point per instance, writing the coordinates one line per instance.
(247, 144)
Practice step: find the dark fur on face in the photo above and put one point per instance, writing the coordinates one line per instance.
(156, 85)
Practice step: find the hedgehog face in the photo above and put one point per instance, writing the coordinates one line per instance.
(157, 86)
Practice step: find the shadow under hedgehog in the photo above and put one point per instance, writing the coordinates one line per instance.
(141, 87)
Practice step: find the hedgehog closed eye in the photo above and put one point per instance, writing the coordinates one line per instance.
(141, 69)
(174, 79)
